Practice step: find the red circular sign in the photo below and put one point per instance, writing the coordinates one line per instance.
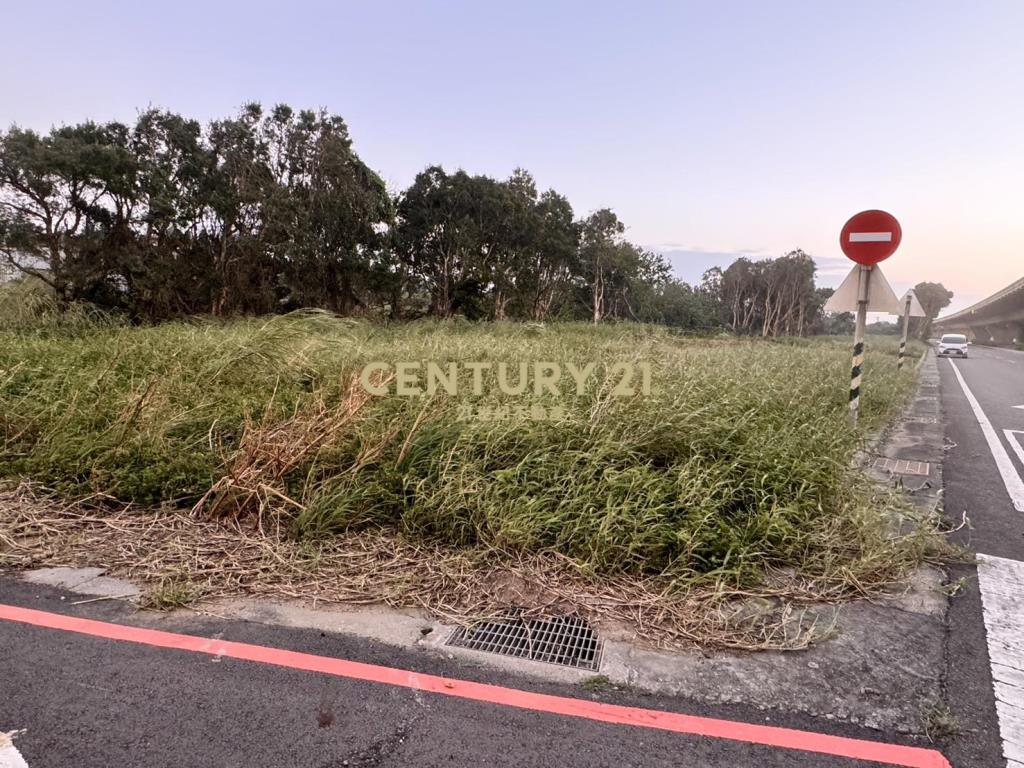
(870, 237)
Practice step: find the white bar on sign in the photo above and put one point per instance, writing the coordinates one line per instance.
(871, 237)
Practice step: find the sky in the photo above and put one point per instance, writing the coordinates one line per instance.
(713, 129)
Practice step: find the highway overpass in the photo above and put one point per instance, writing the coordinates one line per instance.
(999, 319)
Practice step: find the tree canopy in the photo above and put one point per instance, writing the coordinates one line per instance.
(934, 297)
(273, 210)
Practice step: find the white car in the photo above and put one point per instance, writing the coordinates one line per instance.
(953, 344)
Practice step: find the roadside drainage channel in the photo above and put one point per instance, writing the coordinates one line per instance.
(568, 641)
(910, 454)
(902, 466)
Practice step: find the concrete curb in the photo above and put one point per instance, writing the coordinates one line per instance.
(917, 435)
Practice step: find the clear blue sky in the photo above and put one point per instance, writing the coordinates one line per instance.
(712, 128)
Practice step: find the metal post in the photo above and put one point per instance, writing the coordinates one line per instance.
(858, 342)
(906, 329)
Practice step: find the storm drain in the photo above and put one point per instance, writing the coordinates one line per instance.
(565, 640)
(902, 466)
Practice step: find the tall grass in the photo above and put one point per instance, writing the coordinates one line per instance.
(28, 304)
(740, 457)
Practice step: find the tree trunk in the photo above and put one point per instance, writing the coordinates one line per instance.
(220, 302)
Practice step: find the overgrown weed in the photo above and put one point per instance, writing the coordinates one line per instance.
(737, 463)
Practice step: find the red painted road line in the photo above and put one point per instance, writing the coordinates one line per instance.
(769, 736)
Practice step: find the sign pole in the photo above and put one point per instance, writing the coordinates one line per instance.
(858, 342)
(866, 238)
(906, 330)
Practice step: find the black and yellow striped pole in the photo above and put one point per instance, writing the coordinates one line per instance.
(856, 371)
(906, 330)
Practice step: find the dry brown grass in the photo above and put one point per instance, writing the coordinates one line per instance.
(271, 449)
(230, 557)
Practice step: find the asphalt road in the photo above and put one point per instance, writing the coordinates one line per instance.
(974, 484)
(973, 481)
(94, 702)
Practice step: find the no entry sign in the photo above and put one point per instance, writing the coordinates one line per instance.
(870, 237)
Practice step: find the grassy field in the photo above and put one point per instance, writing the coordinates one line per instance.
(739, 458)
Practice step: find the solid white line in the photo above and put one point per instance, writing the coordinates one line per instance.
(871, 237)
(1001, 582)
(1014, 485)
(9, 756)
(1014, 441)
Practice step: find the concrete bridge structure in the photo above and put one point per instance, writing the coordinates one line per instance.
(999, 319)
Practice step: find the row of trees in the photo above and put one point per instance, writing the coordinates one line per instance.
(273, 210)
(770, 297)
(165, 219)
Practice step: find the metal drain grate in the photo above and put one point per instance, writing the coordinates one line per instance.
(903, 466)
(565, 640)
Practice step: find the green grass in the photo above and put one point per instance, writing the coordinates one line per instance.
(28, 304)
(739, 458)
(171, 593)
(939, 722)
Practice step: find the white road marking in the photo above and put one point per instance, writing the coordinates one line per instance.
(1019, 406)
(10, 757)
(1001, 582)
(1015, 443)
(1014, 485)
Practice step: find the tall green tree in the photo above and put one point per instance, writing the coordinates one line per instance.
(67, 202)
(552, 260)
(741, 291)
(171, 273)
(327, 213)
(600, 254)
(439, 238)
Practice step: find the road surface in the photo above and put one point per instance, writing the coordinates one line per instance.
(87, 700)
(983, 474)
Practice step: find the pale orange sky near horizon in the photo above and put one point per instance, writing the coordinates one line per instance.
(962, 222)
(711, 128)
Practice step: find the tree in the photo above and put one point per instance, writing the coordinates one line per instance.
(934, 297)
(553, 257)
(262, 211)
(439, 237)
(600, 241)
(239, 185)
(171, 272)
(769, 297)
(327, 211)
(66, 204)
(639, 279)
(833, 324)
(740, 290)
(508, 223)
(788, 290)
(883, 328)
